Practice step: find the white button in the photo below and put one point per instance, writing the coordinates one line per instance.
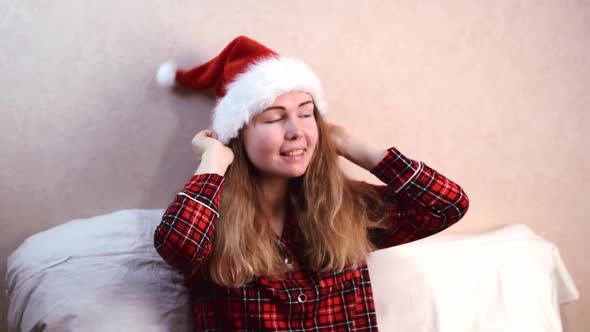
(301, 298)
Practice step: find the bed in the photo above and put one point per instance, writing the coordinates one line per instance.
(103, 274)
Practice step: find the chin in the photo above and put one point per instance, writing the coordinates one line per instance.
(294, 173)
(284, 171)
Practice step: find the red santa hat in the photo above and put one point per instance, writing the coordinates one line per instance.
(247, 77)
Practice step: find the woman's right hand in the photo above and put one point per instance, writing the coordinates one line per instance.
(206, 145)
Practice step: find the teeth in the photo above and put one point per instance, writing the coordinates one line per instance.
(294, 153)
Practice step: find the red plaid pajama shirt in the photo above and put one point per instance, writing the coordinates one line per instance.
(422, 203)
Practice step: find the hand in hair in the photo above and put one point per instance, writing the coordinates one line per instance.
(354, 149)
(215, 157)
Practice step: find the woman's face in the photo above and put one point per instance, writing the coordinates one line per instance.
(281, 140)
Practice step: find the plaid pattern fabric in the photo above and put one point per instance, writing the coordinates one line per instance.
(422, 202)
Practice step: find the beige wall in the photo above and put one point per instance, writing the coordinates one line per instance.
(492, 94)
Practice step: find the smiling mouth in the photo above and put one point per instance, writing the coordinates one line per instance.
(293, 153)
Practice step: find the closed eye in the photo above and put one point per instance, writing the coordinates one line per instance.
(301, 116)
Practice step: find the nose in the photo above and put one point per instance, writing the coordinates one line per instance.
(293, 128)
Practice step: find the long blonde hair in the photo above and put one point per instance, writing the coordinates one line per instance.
(332, 213)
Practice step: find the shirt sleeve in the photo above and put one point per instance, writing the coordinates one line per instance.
(421, 201)
(184, 236)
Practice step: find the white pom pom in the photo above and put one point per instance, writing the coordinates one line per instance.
(166, 74)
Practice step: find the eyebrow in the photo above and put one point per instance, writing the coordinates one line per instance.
(283, 108)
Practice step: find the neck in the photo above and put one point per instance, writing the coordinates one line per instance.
(274, 192)
(275, 195)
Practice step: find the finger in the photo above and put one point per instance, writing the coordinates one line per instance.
(204, 133)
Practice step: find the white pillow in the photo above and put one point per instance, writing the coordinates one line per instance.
(96, 274)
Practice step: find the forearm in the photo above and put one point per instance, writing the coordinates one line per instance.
(183, 238)
(417, 184)
(423, 201)
(361, 154)
(211, 164)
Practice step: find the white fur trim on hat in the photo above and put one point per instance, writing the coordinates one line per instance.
(256, 89)
(166, 74)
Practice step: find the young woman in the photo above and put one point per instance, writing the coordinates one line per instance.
(269, 232)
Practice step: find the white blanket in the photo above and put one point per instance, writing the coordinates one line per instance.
(506, 280)
(103, 274)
